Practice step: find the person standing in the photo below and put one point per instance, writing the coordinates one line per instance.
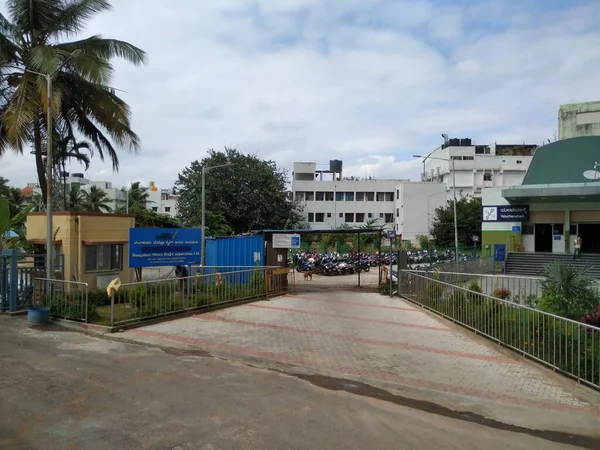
(577, 252)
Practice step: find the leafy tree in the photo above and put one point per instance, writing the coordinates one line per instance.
(145, 218)
(96, 200)
(75, 201)
(470, 216)
(32, 40)
(136, 196)
(4, 187)
(9, 223)
(250, 194)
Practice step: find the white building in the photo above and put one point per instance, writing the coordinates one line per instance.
(477, 166)
(329, 200)
(115, 196)
(578, 120)
(162, 201)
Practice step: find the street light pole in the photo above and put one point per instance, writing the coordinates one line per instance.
(50, 166)
(455, 215)
(451, 161)
(204, 170)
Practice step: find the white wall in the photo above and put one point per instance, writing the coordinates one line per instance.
(418, 202)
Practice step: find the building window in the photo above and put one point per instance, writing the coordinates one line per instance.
(519, 161)
(310, 196)
(389, 218)
(482, 150)
(341, 215)
(103, 258)
(487, 175)
(381, 215)
(320, 217)
(155, 208)
(468, 158)
(167, 209)
(370, 215)
(527, 228)
(311, 217)
(328, 215)
(320, 196)
(389, 196)
(360, 196)
(360, 217)
(299, 196)
(349, 217)
(397, 212)
(380, 196)
(328, 196)
(397, 194)
(370, 196)
(339, 196)
(349, 196)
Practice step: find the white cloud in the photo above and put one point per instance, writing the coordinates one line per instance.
(367, 81)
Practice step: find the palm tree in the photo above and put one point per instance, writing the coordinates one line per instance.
(81, 97)
(96, 200)
(16, 201)
(69, 148)
(137, 197)
(75, 200)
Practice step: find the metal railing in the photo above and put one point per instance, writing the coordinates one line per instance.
(570, 347)
(135, 302)
(477, 265)
(66, 299)
(523, 290)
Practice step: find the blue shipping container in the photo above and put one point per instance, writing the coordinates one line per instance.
(229, 254)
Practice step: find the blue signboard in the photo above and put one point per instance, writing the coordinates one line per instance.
(391, 234)
(499, 252)
(506, 213)
(516, 229)
(155, 247)
(295, 241)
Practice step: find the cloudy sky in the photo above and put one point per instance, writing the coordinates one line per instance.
(367, 81)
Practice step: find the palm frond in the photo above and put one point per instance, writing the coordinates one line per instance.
(105, 49)
(74, 16)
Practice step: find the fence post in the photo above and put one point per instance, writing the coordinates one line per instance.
(14, 281)
(86, 303)
(112, 308)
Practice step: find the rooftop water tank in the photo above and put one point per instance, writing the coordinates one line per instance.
(335, 165)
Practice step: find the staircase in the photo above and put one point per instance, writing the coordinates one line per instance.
(532, 264)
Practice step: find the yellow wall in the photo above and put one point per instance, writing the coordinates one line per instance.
(74, 230)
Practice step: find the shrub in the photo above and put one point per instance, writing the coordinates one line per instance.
(502, 293)
(137, 295)
(593, 317)
(474, 287)
(568, 290)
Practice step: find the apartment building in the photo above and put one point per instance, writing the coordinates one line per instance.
(579, 120)
(329, 200)
(162, 201)
(477, 166)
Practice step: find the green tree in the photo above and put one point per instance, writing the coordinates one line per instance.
(469, 214)
(4, 187)
(136, 196)
(65, 149)
(75, 201)
(250, 194)
(96, 200)
(10, 223)
(32, 40)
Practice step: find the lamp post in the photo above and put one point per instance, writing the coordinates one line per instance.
(451, 161)
(204, 170)
(49, 167)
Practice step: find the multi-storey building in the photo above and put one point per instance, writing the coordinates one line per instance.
(162, 201)
(329, 200)
(477, 166)
(579, 120)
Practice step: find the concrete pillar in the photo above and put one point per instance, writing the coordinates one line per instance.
(567, 234)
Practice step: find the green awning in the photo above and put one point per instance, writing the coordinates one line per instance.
(548, 193)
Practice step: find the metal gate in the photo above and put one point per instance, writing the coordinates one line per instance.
(17, 272)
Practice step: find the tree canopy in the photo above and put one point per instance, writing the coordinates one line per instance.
(249, 194)
(469, 214)
(32, 40)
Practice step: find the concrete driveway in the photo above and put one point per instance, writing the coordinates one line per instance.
(66, 390)
(389, 344)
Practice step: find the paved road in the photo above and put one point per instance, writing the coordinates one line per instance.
(66, 390)
(390, 344)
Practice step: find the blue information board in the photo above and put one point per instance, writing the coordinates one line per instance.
(155, 247)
